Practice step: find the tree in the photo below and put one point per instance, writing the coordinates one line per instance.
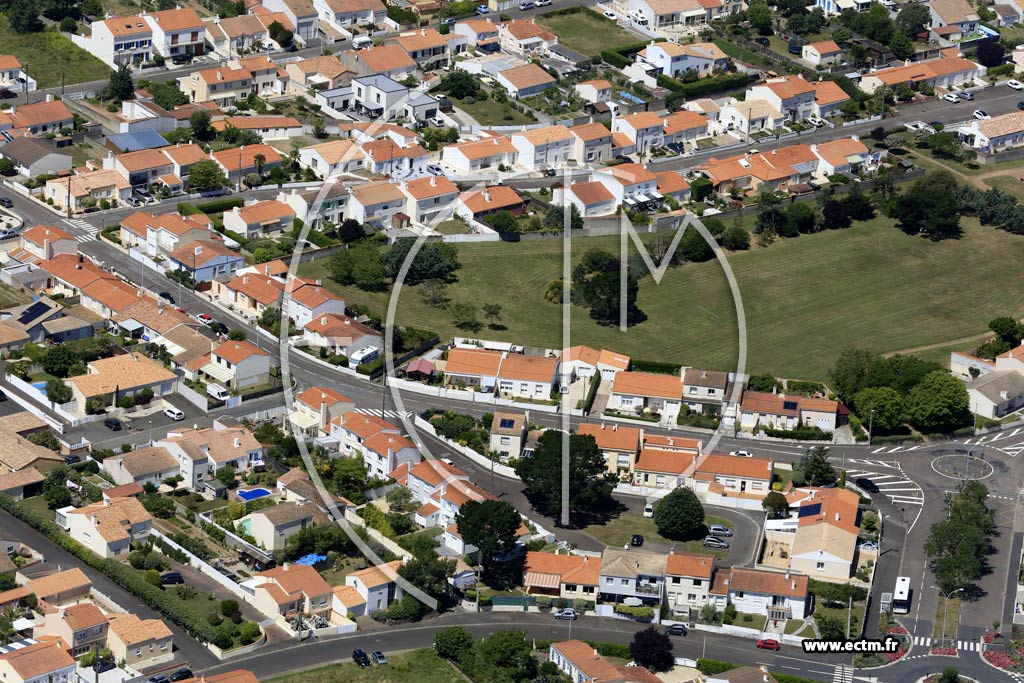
(504, 222)
(120, 86)
(491, 525)
(763, 382)
(830, 628)
(59, 360)
(760, 17)
(597, 286)
(492, 312)
(236, 334)
(249, 633)
(351, 230)
(775, 504)
(858, 205)
(816, 469)
(505, 656)
(58, 392)
(206, 175)
(652, 649)
(991, 53)
(400, 499)
(735, 238)
(938, 403)
(464, 316)
(554, 218)
(1007, 330)
(434, 293)
(429, 574)
(460, 84)
(694, 248)
(901, 45)
(590, 483)
(680, 515)
(152, 577)
(55, 490)
(949, 675)
(913, 18)
(834, 215)
(929, 207)
(454, 643)
(225, 475)
(24, 16)
(202, 130)
(168, 96)
(800, 220)
(433, 261)
(881, 408)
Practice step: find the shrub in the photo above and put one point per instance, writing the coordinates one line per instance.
(214, 619)
(640, 612)
(710, 667)
(544, 602)
(154, 561)
(249, 633)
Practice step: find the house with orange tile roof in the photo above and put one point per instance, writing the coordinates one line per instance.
(618, 444)
(543, 148)
(38, 118)
(340, 334)
(233, 36)
(14, 76)
(238, 365)
(660, 469)
(177, 32)
(776, 595)
(672, 184)
(269, 128)
(631, 573)
(259, 219)
(646, 392)
(828, 98)
(109, 527)
(480, 155)
(201, 452)
(428, 47)
(307, 301)
(945, 72)
(351, 430)
(384, 452)
(819, 534)
(384, 60)
(593, 142)
(596, 90)
(592, 198)
(82, 627)
(675, 59)
(524, 37)
(22, 484)
(994, 135)
(475, 204)
(111, 379)
(521, 376)
(479, 32)
(204, 261)
(733, 480)
(332, 158)
(582, 664)
(376, 203)
(666, 13)
(684, 126)
(376, 585)
(525, 81)
(139, 642)
(87, 189)
(631, 184)
(583, 361)
(268, 78)
(760, 409)
(68, 274)
(347, 602)
(388, 158)
(34, 661)
(43, 242)
(316, 407)
(572, 577)
(238, 162)
(508, 433)
(792, 96)
(139, 168)
(645, 130)
(250, 293)
(777, 168)
(321, 74)
(64, 587)
(109, 297)
(271, 527)
(161, 234)
(846, 155)
(473, 368)
(822, 53)
(688, 579)
(429, 197)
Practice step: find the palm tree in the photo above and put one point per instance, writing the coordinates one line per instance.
(260, 160)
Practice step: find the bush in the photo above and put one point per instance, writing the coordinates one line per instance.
(657, 367)
(710, 667)
(137, 559)
(640, 612)
(214, 619)
(800, 434)
(154, 561)
(249, 633)
(220, 205)
(544, 602)
(615, 59)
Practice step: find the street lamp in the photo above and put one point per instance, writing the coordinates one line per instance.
(944, 605)
(871, 422)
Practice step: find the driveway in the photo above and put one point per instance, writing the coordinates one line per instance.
(187, 648)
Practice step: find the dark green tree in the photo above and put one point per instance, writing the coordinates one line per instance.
(775, 504)
(24, 16)
(938, 403)
(505, 656)
(881, 408)
(652, 649)
(929, 207)
(816, 469)
(58, 392)
(205, 175)
(429, 574)
(760, 17)
(202, 130)
(913, 18)
(680, 515)
(590, 483)
(120, 86)
(454, 643)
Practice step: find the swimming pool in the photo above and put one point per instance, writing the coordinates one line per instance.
(253, 494)
(41, 386)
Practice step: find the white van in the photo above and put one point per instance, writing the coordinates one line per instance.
(362, 42)
(174, 414)
(364, 355)
(218, 392)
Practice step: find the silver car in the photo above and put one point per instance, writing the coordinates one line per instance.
(719, 530)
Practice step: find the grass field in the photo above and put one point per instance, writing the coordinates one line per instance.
(46, 52)
(618, 531)
(587, 32)
(491, 112)
(1007, 183)
(805, 299)
(419, 666)
(947, 630)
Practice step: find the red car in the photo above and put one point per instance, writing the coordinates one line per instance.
(768, 644)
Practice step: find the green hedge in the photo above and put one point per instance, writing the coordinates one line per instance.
(657, 367)
(706, 86)
(604, 649)
(790, 678)
(132, 580)
(710, 667)
(640, 612)
(220, 205)
(800, 434)
(615, 59)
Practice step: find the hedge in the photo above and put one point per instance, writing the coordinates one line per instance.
(167, 604)
(706, 86)
(615, 59)
(640, 611)
(220, 205)
(604, 649)
(800, 434)
(790, 678)
(657, 367)
(710, 667)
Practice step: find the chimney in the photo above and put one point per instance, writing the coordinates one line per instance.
(238, 442)
(615, 427)
(323, 320)
(287, 566)
(486, 195)
(787, 576)
(433, 181)
(837, 516)
(245, 279)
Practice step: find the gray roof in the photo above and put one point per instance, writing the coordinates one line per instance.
(994, 384)
(705, 378)
(139, 140)
(419, 99)
(380, 82)
(569, 54)
(65, 324)
(29, 150)
(632, 563)
(289, 513)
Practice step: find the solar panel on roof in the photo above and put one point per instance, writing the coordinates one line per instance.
(810, 510)
(33, 312)
(507, 423)
(789, 405)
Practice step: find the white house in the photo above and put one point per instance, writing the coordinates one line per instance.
(309, 300)
(344, 14)
(376, 203)
(119, 40)
(688, 578)
(632, 573)
(776, 595)
(644, 129)
(675, 59)
(430, 197)
(177, 32)
(542, 148)
(638, 392)
(478, 155)
(376, 585)
(792, 96)
(109, 527)
(822, 53)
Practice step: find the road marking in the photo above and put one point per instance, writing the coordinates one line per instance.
(906, 500)
(922, 640)
(88, 228)
(879, 450)
(968, 645)
(843, 674)
(394, 414)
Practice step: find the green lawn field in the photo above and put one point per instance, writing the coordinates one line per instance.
(805, 299)
(419, 666)
(44, 54)
(587, 32)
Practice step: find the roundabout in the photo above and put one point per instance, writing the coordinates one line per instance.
(963, 467)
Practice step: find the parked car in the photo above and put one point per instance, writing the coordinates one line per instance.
(715, 542)
(182, 674)
(434, 169)
(166, 296)
(568, 614)
(72, 459)
(869, 545)
(483, 9)
(113, 424)
(1020, 105)
(611, 15)
(816, 121)
(174, 414)
(3, 396)
(8, 234)
(866, 484)
(742, 454)
(449, 21)
(523, 6)
(158, 678)
(7, 94)
(101, 665)
(181, 59)
(6, 202)
(218, 327)
(719, 530)
(360, 658)
(675, 630)
(542, 3)
(550, 172)
(204, 318)
(379, 658)
(981, 114)
(966, 95)
(172, 579)
(636, 541)
(437, 122)
(649, 510)
(768, 644)
(951, 97)
(1016, 85)
(762, 41)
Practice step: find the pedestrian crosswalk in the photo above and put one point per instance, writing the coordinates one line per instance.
(843, 674)
(896, 449)
(889, 478)
(1009, 442)
(393, 414)
(964, 645)
(85, 226)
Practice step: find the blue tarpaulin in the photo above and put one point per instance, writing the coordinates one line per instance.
(311, 560)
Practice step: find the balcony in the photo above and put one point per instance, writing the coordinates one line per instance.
(648, 588)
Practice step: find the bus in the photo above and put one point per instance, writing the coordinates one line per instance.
(901, 596)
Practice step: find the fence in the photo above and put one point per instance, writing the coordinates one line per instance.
(234, 541)
(859, 122)
(32, 393)
(203, 566)
(192, 396)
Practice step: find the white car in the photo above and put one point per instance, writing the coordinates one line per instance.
(1016, 85)
(174, 414)
(815, 121)
(981, 114)
(951, 97)
(742, 454)
(611, 15)
(649, 510)
(542, 3)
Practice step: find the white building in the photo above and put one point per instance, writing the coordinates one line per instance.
(119, 40)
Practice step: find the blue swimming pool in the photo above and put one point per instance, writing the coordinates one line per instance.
(253, 494)
(41, 386)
